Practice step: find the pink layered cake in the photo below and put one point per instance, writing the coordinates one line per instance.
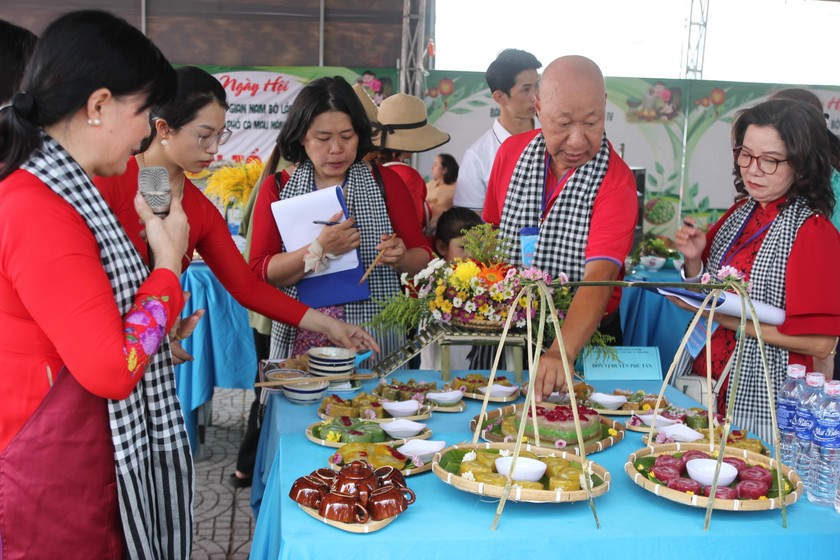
(556, 422)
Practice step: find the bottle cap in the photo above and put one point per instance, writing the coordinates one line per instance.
(815, 379)
(796, 371)
(832, 387)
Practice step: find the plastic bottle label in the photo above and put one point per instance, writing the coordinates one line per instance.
(785, 413)
(827, 433)
(803, 424)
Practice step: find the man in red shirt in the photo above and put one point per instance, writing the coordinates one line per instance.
(569, 186)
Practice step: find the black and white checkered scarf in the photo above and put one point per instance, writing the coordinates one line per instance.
(767, 281)
(565, 231)
(153, 461)
(365, 202)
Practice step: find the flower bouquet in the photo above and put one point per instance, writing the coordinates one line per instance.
(232, 184)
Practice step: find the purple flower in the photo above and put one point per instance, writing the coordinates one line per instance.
(157, 310)
(137, 318)
(150, 340)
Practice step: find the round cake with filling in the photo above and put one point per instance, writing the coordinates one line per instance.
(556, 422)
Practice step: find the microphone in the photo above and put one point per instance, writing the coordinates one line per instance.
(153, 184)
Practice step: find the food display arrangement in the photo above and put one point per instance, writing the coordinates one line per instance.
(338, 431)
(682, 472)
(441, 400)
(378, 455)
(474, 385)
(555, 425)
(370, 407)
(546, 475)
(356, 498)
(622, 402)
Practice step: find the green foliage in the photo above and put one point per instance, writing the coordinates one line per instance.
(399, 311)
(484, 244)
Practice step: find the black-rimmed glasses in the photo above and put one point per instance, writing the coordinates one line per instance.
(766, 164)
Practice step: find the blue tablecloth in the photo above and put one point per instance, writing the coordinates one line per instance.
(445, 522)
(648, 319)
(222, 346)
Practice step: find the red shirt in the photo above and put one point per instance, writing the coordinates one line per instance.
(57, 306)
(266, 240)
(614, 213)
(209, 235)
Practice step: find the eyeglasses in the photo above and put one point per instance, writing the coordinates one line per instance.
(766, 164)
(207, 140)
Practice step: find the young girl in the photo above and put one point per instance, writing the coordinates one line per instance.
(450, 231)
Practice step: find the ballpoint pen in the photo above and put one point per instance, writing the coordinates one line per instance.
(325, 223)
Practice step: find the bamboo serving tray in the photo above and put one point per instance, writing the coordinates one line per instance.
(593, 447)
(460, 406)
(424, 413)
(425, 433)
(520, 494)
(481, 396)
(368, 527)
(405, 472)
(702, 501)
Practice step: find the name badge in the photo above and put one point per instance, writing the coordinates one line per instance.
(528, 237)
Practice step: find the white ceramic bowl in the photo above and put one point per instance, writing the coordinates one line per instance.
(661, 421)
(445, 397)
(324, 371)
(402, 428)
(526, 468)
(300, 393)
(328, 356)
(681, 432)
(607, 401)
(652, 263)
(703, 471)
(401, 408)
(423, 448)
(497, 390)
(678, 263)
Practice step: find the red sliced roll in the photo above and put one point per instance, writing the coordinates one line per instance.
(722, 492)
(751, 489)
(685, 485)
(756, 473)
(739, 464)
(666, 473)
(670, 460)
(694, 454)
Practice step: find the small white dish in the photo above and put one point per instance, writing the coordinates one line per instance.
(703, 471)
(651, 262)
(526, 468)
(607, 401)
(661, 421)
(402, 428)
(681, 432)
(497, 390)
(327, 357)
(401, 408)
(445, 397)
(423, 448)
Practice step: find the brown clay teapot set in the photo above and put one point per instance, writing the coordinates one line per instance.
(355, 494)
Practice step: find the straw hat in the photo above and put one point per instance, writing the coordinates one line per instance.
(371, 110)
(404, 127)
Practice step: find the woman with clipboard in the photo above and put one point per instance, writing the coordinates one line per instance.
(326, 135)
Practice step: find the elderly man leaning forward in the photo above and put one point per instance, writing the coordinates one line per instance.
(567, 180)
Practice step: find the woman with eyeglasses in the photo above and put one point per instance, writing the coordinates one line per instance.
(780, 237)
(186, 135)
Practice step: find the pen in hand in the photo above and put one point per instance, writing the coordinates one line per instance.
(325, 223)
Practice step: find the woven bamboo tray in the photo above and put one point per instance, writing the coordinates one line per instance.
(484, 326)
(593, 447)
(520, 494)
(368, 527)
(480, 397)
(702, 501)
(425, 433)
(405, 472)
(460, 406)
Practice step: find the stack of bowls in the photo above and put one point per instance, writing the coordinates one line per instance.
(329, 361)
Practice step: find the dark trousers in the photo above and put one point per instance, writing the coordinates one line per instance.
(247, 457)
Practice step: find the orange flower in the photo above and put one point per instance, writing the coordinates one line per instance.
(493, 274)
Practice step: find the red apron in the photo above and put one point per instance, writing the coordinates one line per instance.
(58, 489)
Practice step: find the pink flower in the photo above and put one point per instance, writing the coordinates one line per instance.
(706, 278)
(417, 461)
(661, 437)
(560, 444)
(370, 414)
(730, 273)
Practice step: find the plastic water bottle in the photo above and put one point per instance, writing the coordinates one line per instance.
(786, 408)
(825, 469)
(803, 424)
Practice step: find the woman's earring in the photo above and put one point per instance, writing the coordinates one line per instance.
(164, 142)
(94, 122)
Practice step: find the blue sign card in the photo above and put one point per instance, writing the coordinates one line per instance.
(630, 362)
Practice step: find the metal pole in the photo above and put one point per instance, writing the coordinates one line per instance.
(321, 36)
(143, 17)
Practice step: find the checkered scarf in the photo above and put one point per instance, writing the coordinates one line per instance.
(767, 281)
(564, 233)
(153, 461)
(365, 202)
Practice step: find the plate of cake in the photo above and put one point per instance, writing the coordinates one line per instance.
(338, 431)
(503, 390)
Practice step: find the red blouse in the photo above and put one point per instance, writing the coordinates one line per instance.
(811, 307)
(209, 234)
(57, 307)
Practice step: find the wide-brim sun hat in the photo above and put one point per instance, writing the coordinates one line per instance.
(404, 126)
(371, 110)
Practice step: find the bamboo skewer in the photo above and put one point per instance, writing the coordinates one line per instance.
(301, 380)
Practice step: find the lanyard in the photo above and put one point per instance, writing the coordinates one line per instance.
(750, 239)
(553, 196)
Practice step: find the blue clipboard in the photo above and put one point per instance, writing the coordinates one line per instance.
(334, 289)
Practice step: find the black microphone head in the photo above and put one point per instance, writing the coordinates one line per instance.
(154, 186)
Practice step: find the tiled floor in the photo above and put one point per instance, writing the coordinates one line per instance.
(223, 520)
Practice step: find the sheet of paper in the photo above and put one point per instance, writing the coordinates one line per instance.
(631, 362)
(729, 304)
(295, 216)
